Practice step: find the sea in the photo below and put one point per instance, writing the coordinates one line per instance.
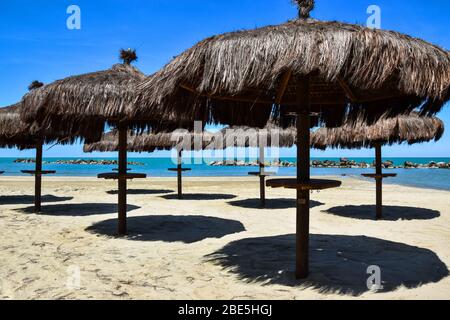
(158, 167)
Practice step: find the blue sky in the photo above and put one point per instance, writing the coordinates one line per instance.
(36, 44)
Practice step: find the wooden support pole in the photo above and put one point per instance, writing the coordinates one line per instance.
(122, 181)
(38, 179)
(262, 187)
(379, 182)
(303, 175)
(179, 174)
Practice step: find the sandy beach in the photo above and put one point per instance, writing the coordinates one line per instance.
(217, 243)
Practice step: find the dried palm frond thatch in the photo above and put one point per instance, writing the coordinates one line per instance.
(83, 104)
(147, 142)
(304, 7)
(236, 78)
(35, 85)
(78, 102)
(14, 133)
(356, 134)
(110, 143)
(270, 136)
(128, 56)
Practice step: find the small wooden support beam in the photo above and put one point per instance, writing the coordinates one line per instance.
(283, 86)
(348, 91)
(188, 88)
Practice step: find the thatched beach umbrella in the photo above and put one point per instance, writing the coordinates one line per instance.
(14, 133)
(270, 136)
(387, 131)
(306, 67)
(85, 103)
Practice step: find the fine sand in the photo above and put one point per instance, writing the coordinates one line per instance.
(217, 243)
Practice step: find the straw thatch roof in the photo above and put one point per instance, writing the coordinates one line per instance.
(85, 103)
(271, 135)
(236, 78)
(387, 131)
(14, 133)
(135, 142)
(148, 142)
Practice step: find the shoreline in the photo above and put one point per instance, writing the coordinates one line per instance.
(219, 179)
(317, 163)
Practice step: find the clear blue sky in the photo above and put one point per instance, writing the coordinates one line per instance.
(36, 44)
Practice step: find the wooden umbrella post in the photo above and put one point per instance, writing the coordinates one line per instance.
(379, 182)
(179, 175)
(38, 179)
(303, 175)
(122, 180)
(262, 173)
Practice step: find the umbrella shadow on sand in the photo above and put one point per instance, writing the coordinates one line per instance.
(338, 264)
(200, 196)
(271, 203)
(390, 213)
(186, 229)
(78, 209)
(27, 199)
(141, 191)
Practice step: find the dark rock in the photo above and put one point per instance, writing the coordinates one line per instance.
(92, 162)
(442, 165)
(388, 164)
(363, 165)
(409, 164)
(24, 161)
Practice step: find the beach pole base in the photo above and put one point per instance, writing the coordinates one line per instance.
(262, 187)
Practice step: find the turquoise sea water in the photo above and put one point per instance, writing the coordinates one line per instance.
(157, 167)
